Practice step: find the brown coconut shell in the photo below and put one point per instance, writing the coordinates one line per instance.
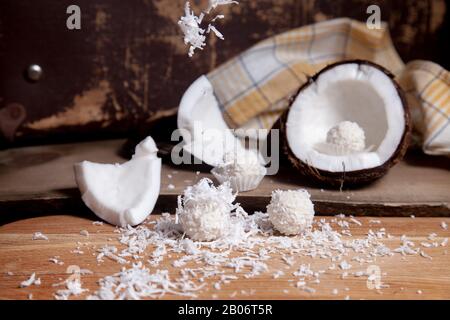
(351, 178)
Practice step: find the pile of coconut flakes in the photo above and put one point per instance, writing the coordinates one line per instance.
(249, 250)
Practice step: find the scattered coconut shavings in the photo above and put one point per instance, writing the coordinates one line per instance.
(56, 260)
(84, 233)
(97, 223)
(137, 282)
(32, 280)
(355, 221)
(444, 225)
(39, 236)
(278, 274)
(246, 251)
(171, 187)
(109, 252)
(423, 254)
(344, 265)
(73, 288)
(407, 247)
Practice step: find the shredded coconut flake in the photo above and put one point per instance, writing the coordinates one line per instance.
(194, 33)
(84, 233)
(73, 288)
(32, 280)
(39, 236)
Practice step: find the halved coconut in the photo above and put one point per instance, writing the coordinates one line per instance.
(122, 194)
(348, 124)
(205, 133)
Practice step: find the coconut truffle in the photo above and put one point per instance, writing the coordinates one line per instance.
(291, 211)
(242, 163)
(241, 169)
(204, 210)
(347, 136)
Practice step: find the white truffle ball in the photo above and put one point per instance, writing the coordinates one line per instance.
(348, 136)
(204, 211)
(291, 211)
(205, 222)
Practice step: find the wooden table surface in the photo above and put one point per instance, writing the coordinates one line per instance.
(410, 277)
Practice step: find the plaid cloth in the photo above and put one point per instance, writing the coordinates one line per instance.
(254, 88)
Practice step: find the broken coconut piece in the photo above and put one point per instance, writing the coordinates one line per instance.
(204, 211)
(291, 211)
(357, 100)
(243, 170)
(122, 194)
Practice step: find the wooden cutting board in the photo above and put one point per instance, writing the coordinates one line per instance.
(39, 180)
(20, 256)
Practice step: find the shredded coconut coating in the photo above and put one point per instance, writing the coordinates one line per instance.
(204, 210)
(291, 211)
(348, 136)
(242, 163)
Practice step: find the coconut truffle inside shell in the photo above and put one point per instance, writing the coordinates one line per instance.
(204, 210)
(291, 211)
(358, 91)
(348, 136)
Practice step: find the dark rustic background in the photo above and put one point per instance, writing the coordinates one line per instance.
(127, 67)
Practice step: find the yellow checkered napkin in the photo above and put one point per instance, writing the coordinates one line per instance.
(253, 88)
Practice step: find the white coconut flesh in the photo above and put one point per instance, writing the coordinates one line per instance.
(205, 133)
(359, 94)
(122, 194)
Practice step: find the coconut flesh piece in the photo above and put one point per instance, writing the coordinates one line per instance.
(122, 194)
(342, 109)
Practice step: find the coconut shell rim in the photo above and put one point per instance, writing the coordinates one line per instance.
(356, 177)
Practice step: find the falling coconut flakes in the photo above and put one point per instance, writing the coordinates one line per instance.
(190, 24)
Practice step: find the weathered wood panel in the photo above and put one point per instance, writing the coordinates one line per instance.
(128, 66)
(39, 180)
